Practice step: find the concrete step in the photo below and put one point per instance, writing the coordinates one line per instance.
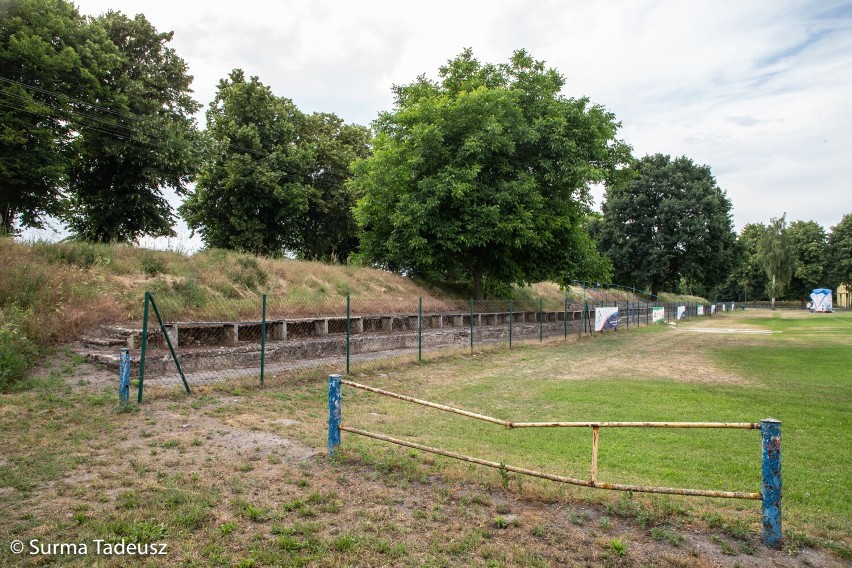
(103, 342)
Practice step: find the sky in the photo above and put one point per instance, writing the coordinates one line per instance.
(760, 91)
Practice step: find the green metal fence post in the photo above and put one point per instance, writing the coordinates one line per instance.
(348, 330)
(420, 330)
(263, 340)
(169, 343)
(540, 320)
(565, 316)
(471, 326)
(511, 317)
(144, 347)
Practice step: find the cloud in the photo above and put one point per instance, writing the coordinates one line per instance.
(757, 90)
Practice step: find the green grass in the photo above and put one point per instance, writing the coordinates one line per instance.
(800, 376)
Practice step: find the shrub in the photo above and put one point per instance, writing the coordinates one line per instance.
(151, 265)
(17, 351)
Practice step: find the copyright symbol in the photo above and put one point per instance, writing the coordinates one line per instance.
(17, 546)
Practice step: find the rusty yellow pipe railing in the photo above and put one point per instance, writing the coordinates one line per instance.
(770, 430)
(510, 424)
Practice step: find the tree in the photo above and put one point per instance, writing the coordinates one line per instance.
(139, 139)
(747, 279)
(41, 70)
(840, 252)
(249, 193)
(327, 229)
(667, 220)
(777, 257)
(810, 250)
(483, 175)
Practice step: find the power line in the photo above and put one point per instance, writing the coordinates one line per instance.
(118, 130)
(289, 174)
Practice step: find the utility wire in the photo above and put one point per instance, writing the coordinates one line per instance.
(290, 175)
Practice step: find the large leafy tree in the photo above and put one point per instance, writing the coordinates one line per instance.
(747, 279)
(777, 257)
(327, 229)
(840, 252)
(138, 140)
(810, 252)
(43, 72)
(249, 190)
(484, 174)
(667, 221)
(274, 180)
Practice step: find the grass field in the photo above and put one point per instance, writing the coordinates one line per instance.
(801, 375)
(226, 477)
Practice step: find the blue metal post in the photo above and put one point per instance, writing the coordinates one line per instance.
(770, 430)
(334, 412)
(124, 376)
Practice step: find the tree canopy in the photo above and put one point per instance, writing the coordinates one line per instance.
(777, 257)
(274, 178)
(840, 252)
(139, 140)
(667, 221)
(39, 41)
(484, 174)
(95, 119)
(810, 253)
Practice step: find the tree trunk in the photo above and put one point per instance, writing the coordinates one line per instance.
(772, 303)
(655, 289)
(477, 282)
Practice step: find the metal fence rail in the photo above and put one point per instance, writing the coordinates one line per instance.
(770, 430)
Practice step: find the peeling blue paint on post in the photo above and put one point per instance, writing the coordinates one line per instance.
(770, 430)
(124, 376)
(334, 412)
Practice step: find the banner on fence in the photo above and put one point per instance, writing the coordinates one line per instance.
(700, 311)
(821, 298)
(606, 318)
(658, 314)
(681, 312)
(712, 309)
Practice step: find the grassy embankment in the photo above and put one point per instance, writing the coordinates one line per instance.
(54, 293)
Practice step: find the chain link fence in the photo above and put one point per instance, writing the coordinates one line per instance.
(264, 339)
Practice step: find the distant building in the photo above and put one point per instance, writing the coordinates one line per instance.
(843, 299)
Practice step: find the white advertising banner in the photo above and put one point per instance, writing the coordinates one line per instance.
(712, 309)
(658, 314)
(821, 298)
(606, 318)
(700, 311)
(681, 312)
